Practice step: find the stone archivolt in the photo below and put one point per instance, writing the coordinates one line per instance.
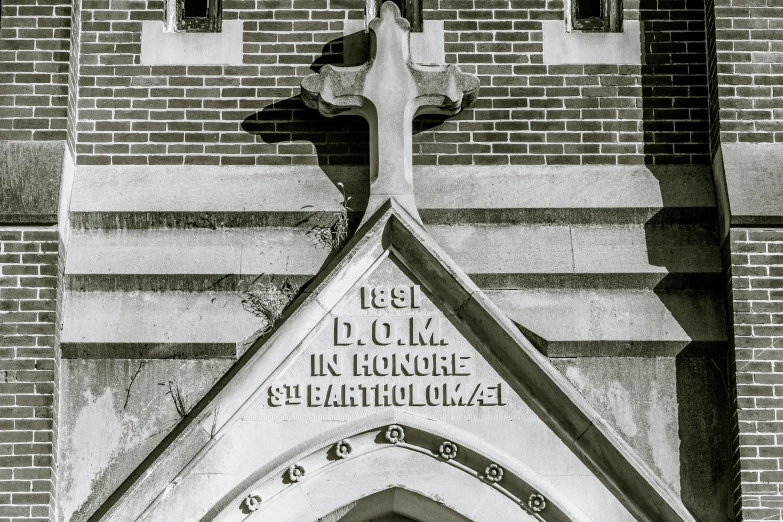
(519, 484)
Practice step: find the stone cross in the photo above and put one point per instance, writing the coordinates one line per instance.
(389, 91)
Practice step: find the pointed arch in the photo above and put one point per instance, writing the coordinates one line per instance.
(396, 450)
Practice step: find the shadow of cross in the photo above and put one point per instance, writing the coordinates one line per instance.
(389, 91)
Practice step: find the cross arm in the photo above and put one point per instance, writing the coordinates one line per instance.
(444, 90)
(335, 91)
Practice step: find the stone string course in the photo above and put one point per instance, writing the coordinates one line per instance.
(757, 297)
(28, 269)
(528, 112)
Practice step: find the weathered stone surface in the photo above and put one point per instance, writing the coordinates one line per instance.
(647, 190)
(754, 178)
(30, 181)
(113, 413)
(262, 398)
(478, 249)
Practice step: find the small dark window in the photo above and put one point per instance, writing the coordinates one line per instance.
(595, 15)
(198, 15)
(411, 10)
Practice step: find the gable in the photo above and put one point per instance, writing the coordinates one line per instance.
(496, 387)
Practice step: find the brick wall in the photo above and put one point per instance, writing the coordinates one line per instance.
(749, 37)
(528, 112)
(28, 267)
(712, 76)
(34, 43)
(757, 297)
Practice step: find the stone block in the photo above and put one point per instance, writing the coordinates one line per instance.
(30, 181)
(159, 47)
(576, 47)
(754, 182)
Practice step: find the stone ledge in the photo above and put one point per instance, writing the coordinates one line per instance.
(645, 190)
(478, 249)
(567, 323)
(576, 47)
(159, 47)
(161, 282)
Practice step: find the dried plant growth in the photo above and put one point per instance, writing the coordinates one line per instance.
(130, 385)
(268, 301)
(333, 236)
(179, 400)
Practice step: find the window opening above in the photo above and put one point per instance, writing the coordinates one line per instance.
(198, 15)
(411, 10)
(595, 15)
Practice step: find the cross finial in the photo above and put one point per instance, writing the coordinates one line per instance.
(389, 91)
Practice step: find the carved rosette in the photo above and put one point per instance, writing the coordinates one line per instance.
(493, 473)
(252, 502)
(448, 450)
(395, 434)
(296, 472)
(343, 448)
(536, 502)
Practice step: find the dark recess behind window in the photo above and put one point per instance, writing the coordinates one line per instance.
(411, 11)
(196, 9)
(596, 15)
(198, 15)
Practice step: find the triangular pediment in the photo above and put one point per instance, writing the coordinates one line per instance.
(392, 325)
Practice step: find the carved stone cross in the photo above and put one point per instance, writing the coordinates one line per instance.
(389, 91)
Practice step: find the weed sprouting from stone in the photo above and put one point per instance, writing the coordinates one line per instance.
(268, 301)
(333, 236)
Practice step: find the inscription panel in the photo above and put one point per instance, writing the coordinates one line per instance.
(388, 345)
